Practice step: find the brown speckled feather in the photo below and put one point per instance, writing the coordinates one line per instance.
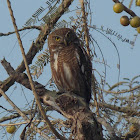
(70, 64)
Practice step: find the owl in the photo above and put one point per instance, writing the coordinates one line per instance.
(70, 65)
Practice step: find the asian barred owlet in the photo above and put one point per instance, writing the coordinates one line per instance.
(70, 65)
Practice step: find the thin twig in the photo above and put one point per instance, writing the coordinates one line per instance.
(86, 30)
(25, 122)
(117, 84)
(13, 116)
(20, 123)
(107, 126)
(130, 4)
(84, 18)
(122, 91)
(25, 28)
(21, 113)
(128, 110)
(133, 119)
(37, 45)
(95, 95)
(29, 76)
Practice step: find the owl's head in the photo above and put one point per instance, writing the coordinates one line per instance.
(62, 37)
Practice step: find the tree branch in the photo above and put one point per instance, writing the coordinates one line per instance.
(71, 106)
(117, 84)
(30, 77)
(122, 91)
(129, 111)
(37, 45)
(108, 128)
(25, 28)
(21, 113)
(15, 115)
(133, 119)
(85, 26)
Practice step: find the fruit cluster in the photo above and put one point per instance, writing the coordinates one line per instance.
(124, 20)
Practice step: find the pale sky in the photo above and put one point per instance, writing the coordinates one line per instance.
(103, 15)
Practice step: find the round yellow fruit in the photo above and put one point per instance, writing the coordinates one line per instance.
(133, 128)
(118, 8)
(137, 2)
(135, 22)
(124, 20)
(138, 30)
(11, 129)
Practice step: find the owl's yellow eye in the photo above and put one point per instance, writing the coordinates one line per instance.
(57, 38)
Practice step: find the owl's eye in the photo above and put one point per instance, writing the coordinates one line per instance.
(57, 38)
(68, 35)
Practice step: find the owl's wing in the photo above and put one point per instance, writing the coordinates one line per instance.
(85, 67)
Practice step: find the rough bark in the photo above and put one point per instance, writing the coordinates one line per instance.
(84, 124)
